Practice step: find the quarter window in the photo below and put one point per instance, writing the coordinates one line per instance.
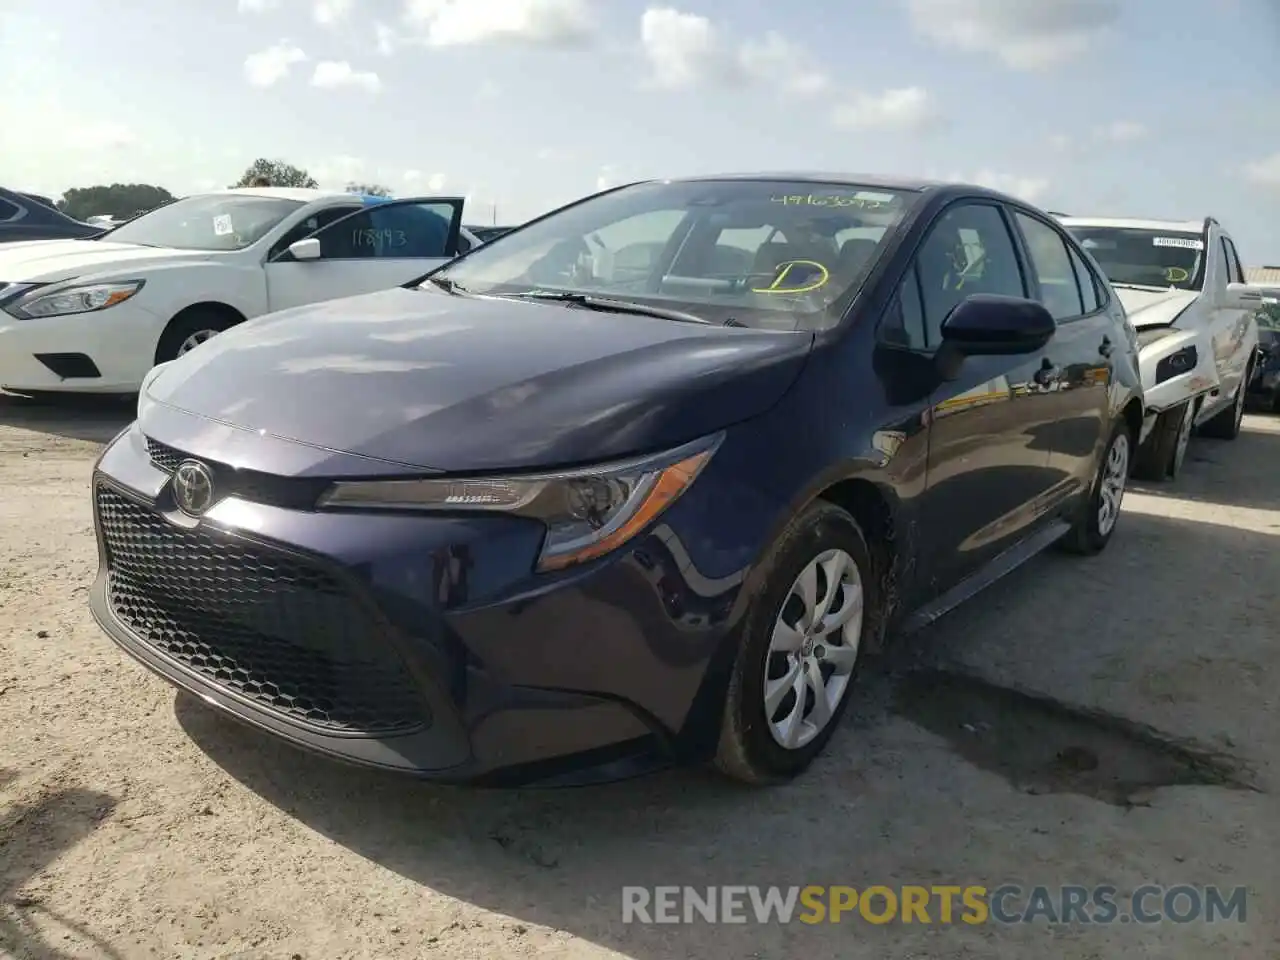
(1235, 274)
(968, 250)
(1051, 263)
(8, 210)
(1088, 285)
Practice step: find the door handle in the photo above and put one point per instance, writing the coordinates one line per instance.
(1046, 374)
(1105, 347)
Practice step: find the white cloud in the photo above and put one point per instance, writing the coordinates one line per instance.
(1121, 131)
(385, 38)
(1030, 189)
(268, 67)
(256, 6)
(904, 108)
(329, 13)
(680, 46)
(1060, 143)
(1024, 34)
(488, 90)
(1264, 172)
(778, 61)
(685, 49)
(334, 74)
(417, 180)
(606, 177)
(449, 23)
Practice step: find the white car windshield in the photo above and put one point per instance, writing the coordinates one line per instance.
(1149, 258)
(225, 221)
(778, 254)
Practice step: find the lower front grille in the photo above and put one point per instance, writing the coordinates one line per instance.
(272, 628)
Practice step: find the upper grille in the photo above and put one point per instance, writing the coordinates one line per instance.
(272, 628)
(163, 456)
(295, 493)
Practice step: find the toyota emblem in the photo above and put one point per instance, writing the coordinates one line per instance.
(192, 488)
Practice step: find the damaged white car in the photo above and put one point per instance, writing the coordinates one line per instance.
(1183, 289)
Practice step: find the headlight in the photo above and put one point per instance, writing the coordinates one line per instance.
(87, 298)
(587, 512)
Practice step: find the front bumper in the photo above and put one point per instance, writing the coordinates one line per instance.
(106, 352)
(414, 644)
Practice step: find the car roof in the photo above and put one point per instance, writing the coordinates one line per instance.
(874, 181)
(300, 194)
(1135, 223)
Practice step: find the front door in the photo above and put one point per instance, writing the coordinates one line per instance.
(989, 457)
(1079, 368)
(381, 246)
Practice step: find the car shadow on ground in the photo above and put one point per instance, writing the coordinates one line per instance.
(898, 799)
(32, 835)
(94, 419)
(1223, 486)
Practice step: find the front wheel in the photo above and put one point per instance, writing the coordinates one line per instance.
(801, 639)
(1162, 456)
(1097, 519)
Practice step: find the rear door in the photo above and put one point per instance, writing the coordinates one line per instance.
(380, 246)
(1077, 375)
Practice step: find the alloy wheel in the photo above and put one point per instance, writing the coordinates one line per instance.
(1115, 473)
(193, 341)
(813, 649)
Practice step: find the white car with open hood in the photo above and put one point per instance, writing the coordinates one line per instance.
(1183, 289)
(94, 316)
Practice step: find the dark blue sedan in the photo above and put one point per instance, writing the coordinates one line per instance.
(637, 482)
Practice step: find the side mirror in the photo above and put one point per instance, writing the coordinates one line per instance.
(1241, 296)
(308, 249)
(986, 324)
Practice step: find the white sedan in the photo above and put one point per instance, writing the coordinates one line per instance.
(94, 316)
(1182, 287)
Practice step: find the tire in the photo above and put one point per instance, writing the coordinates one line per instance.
(1162, 456)
(1226, 425)
(755, 746)
(186, 327)
(1091, 531)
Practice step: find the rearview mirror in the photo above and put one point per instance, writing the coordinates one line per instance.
(1241, 296)
(985, 324)
(308, 249)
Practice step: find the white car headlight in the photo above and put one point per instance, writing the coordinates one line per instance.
(84, 298)
(587, 513)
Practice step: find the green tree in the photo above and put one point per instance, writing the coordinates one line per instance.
(277, 173)
(369, 189)
(122, 200)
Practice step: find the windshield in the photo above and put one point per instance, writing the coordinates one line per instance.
(1152, 258)
(764, 253)
(220, 221)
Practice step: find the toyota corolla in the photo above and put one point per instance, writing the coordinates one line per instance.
(637, 482)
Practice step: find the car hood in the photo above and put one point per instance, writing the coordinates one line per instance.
(1155, 308)
(48, 261)
(459, 384)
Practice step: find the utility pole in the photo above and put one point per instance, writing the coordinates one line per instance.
(495, 213)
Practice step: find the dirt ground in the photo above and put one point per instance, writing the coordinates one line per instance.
(137, 824)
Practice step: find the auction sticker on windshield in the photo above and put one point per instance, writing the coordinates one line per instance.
(862, 200)
(222, 225)
(1183, 242)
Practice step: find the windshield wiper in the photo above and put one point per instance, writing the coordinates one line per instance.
(1143, 286)
(608, 305)
(448, 286)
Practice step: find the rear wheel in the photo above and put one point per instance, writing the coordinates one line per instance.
(801, 642)
(1097, 519)
(1162, 456)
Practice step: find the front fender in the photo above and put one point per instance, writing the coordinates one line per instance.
(1172, 391)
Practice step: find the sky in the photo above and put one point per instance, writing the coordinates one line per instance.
(1152, 108)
